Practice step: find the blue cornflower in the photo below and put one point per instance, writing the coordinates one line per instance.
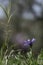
(29, 42)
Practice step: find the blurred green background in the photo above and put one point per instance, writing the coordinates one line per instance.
(16, 25)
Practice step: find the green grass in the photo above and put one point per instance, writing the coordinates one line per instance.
(18, 59)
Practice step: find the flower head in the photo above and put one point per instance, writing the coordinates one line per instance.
(29, 42)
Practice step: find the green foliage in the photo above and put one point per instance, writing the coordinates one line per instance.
(18, 59)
